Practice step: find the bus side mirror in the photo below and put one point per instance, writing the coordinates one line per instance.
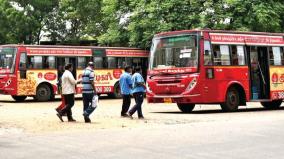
(209, 73)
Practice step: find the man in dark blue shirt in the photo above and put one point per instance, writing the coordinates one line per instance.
(125, 84)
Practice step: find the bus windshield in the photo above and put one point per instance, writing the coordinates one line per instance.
(174, 52)
(7, 60)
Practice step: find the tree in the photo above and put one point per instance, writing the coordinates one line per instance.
(37, 14)
(256, 15)
(82, 18)
(143, 19)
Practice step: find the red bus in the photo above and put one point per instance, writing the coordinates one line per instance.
(216, 67)
(27, 70)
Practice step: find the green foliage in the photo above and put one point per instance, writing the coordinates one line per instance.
(130, 22)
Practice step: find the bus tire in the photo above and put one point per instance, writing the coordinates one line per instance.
(232, 100)
(272, 105)
(185, 107)
(116, 92)
(43, 93)
(19, 98)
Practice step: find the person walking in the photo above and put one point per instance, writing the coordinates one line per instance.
(59, 89)
(138, 91)
(89, 91)
(68, 91)
(125, 84)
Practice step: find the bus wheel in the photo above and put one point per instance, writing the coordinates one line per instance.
(232, 100)
(116, 92)
(43, 93)
(19, 98)
(185, 107)
(272, 105)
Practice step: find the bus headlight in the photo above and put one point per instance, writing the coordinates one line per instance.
(192, 84)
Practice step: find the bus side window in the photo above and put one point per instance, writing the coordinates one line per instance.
(48, 62)
(216, 55)
(275, 56)
(98, 61)
(207, 53)
(238, 55)
(82, 62)
(111, 62)
(120, 62)
(225, 55)
(37, 63)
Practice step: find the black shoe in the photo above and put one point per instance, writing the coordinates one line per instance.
(71, 120)
(60, 117)
(124, 115)
(59, 112)
(141, 117)
(87, 119)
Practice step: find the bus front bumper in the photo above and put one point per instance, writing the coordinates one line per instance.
(193, 98)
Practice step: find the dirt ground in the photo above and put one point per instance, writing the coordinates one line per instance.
(34, 117)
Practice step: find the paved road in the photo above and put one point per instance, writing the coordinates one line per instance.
(207, 133)
(221, 140)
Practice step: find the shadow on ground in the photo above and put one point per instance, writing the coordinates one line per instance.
(57, 99)
(243, 110)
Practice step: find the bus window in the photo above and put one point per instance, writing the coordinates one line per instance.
(120, 62)
(49, 62)
(37, 62)
(128, 61)
(275, 56)
(82, 62)
(111, 62)
(98, 62)
(136, 62)
(207, 53)
(238, 55)
(225, 55)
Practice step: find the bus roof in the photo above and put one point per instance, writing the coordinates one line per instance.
(64, 50)
(69, 46)
(216, 31)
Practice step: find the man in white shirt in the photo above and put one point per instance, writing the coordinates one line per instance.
(68, 91)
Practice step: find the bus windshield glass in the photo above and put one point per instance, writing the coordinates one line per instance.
(7, 60)
(174, 52)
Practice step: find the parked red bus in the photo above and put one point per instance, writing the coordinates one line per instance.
(27, 70)
(216, 67)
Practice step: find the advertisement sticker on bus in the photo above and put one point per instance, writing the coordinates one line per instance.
(105, 79)
(277, 83)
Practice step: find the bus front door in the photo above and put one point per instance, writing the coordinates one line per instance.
(259, 73)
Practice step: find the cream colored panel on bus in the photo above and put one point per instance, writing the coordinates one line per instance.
(105, 79)
(34, 78)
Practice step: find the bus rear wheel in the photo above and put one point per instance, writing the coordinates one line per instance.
(43, 93)
(185, 107)
(272, 105)
(19, 98)
(232, 100)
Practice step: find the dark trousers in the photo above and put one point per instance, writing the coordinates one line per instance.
(139, 97)
(87, 102)
(69, 103)
(125, 103)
